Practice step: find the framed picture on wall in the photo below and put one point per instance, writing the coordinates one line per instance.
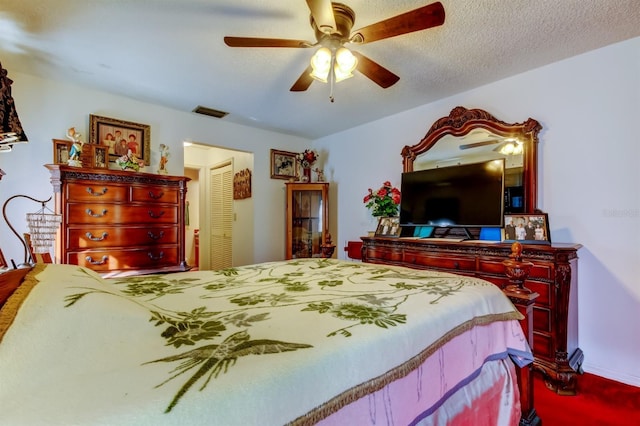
(527, 228)
(120, 137)
(388, 227)
(283, 164)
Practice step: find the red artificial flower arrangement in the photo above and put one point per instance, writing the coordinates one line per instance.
(384, 202)
(307, 158)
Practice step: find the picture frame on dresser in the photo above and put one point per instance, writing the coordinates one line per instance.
(388, 227)
(527, 228)
(283, 164)
(61, 150)
(99, 156)
(120, 136)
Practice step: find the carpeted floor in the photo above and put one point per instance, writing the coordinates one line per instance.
(599, 402)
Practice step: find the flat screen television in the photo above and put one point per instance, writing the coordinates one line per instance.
(468, 195)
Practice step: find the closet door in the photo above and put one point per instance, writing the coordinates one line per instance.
(221, 220)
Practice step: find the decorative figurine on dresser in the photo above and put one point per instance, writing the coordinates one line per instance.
(117, 221)
(76, 147)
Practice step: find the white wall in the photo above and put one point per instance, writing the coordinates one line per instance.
(48, 108)
(588, 181)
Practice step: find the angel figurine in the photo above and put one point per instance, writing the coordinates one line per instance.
(164, 158)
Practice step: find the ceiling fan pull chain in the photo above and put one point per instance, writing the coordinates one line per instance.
(332, 76)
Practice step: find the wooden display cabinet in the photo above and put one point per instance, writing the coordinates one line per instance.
(307, 220)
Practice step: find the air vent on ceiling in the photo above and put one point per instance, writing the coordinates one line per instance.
(210, 112)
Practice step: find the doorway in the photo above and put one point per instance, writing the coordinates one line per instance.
(219, 221)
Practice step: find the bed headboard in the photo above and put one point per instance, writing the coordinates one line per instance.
(9, 281)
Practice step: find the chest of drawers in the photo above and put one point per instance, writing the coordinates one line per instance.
(554, 276)
(118, 221)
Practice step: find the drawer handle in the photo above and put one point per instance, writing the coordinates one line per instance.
(92, 214)
(97, 194)
(154, 236)
(97, 262)
(155, 216)
(92, 238)
(154, 196)
(158, 257)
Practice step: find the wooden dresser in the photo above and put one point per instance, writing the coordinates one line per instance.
(554, 276)
(119, 221)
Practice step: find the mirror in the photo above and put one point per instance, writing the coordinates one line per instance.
(470, 136)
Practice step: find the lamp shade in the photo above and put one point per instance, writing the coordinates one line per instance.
(11, 131)
(321, 64)
(346, 62)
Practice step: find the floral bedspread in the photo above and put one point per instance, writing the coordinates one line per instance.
(259, 344)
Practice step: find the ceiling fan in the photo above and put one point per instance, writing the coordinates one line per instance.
(332, 23)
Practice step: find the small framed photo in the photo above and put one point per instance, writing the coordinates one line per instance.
(61, 150)
(283, 164)
(120, 137)
(99, 157)
(388, 227)
(527, 228)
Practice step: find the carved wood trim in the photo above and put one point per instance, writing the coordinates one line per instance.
(461, 121)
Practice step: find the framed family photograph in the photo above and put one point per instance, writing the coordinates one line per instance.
(388, 227)
(527, 228)
(283, 164)
(120, 137)
(61, 150)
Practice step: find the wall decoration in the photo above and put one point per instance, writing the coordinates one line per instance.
(283, 165)
(242, 184)
(527, 228)
(120, 137)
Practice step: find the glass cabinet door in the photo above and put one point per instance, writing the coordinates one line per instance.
(307, 222)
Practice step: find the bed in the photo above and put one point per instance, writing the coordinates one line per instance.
(308, 341)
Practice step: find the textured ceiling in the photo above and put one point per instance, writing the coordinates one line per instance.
(171, 52)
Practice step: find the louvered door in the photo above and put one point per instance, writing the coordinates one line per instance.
(221, 220)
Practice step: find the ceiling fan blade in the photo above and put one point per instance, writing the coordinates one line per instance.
(416, 20)
(303, 82)
(375, 72)
(478, 144)
(264, 42)
(322, 13)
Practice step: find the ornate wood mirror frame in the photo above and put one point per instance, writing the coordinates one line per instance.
(461, 122)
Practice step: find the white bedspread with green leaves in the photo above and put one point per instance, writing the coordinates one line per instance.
(260, 344)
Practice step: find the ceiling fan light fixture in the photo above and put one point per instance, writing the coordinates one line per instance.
(345, 63)
(511, 148)
(321, 64)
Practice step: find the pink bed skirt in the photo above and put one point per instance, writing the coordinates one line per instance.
(471, 380)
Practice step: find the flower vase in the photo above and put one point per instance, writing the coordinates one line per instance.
(306, 174)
